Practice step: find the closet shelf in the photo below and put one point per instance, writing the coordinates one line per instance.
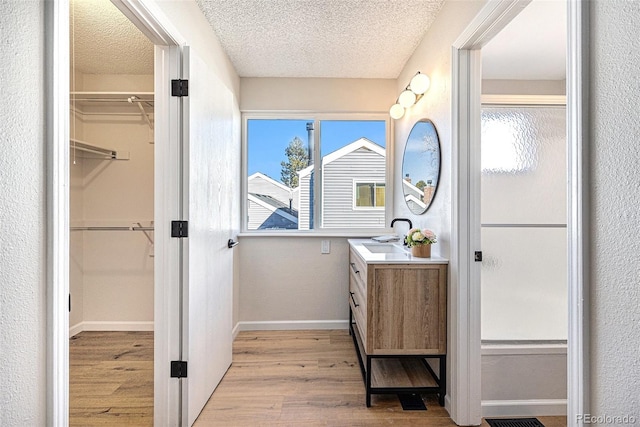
(113, 103)
(106, 99)
(94, 152)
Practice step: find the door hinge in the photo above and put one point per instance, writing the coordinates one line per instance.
(178, 369)
(69, 303)
(179, 87)
(478, 256)
(179, 228)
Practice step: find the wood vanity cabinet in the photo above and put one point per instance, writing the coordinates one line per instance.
(398, 316)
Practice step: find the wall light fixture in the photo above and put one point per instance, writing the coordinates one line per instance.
(418, 85)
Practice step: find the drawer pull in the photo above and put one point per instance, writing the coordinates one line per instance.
(353, 267)
(354, 300)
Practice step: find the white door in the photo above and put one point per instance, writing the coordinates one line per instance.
(208, 263)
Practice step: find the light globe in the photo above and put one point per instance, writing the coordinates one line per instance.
(396, 111)
(420, 83)
(407, 99)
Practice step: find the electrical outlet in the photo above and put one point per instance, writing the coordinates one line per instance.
(326, 247)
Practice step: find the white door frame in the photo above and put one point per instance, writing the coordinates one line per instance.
(57, 175)
(157, 27)
(465, 340)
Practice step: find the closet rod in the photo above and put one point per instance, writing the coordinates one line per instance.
(120, 113)
(111, 228)
(82, 146)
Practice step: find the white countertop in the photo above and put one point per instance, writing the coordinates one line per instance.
(389, 253)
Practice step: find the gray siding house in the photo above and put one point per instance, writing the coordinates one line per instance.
(271, 204)
(353, 187)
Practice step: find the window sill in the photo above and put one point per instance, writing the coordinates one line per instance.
(318, 233)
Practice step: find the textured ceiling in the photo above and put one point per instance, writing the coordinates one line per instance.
(320, 38)
(104, 41)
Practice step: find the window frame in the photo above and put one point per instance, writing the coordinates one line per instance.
(317, 118)
(367, 208)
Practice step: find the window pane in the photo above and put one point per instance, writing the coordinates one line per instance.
(277, 150)
(380, 191)
(352, 151)
(286, 174)
(364, 195)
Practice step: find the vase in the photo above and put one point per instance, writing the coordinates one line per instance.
(421, 251)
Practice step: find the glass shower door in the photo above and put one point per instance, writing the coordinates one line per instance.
(524, 234)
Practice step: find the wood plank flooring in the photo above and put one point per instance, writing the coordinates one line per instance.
(304, 378)
(111, 379)
(278, 378)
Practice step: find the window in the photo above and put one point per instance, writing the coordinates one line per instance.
(369, 195)
(308, 173)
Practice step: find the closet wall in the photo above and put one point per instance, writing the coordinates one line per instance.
(111, 272)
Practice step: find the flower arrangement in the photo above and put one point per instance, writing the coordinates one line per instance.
(418, 237)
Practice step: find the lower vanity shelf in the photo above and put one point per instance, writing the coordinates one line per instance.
(397, 374)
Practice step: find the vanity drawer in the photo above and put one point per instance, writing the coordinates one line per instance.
(358, 303)
(358, 270)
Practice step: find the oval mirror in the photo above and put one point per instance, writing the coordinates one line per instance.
(421, 166)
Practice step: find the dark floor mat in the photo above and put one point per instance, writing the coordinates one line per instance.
(412, 402)
(514, 422)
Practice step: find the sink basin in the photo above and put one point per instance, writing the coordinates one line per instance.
(384, 248)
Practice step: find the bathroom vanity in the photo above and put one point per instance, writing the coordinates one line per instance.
(398, 318)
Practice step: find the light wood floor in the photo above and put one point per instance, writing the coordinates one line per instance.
(111, 379)
(278, 378)
(304, 378)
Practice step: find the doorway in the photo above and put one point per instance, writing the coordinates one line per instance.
(192, 277)
(111, 205)
(466, 107)
(523, 215)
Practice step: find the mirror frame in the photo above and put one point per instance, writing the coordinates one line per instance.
(402, 172)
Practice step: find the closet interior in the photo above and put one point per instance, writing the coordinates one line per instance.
(111, 197)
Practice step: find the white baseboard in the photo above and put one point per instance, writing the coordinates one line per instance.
(75, 329)
(523, 408)
(283, 325)
(235, 331)
(110, 326)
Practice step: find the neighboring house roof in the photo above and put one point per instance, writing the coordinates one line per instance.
(410, 189)
(269, 179)
(282, 216)
(413, 195)
(355, 145)
(415, 201)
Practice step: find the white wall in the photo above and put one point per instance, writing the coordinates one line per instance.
(316, 94)
(287, 279)
(615, 239)
(524, 87)
(433, 58)
(22, 216)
